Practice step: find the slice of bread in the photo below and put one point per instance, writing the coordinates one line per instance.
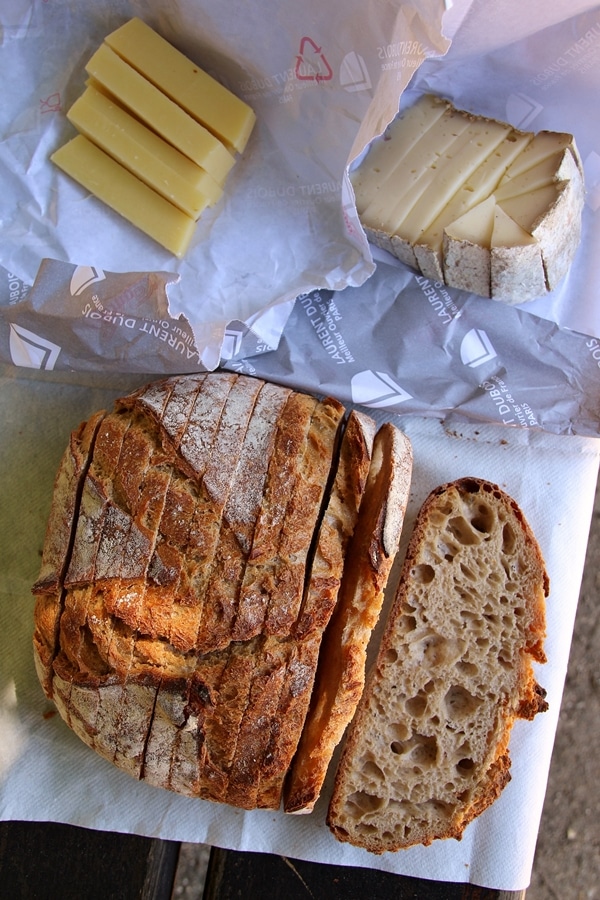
(367, 564)
(428, 748)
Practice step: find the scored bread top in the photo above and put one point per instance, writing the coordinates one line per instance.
(55, 558)
(192, 562)
(428, 748)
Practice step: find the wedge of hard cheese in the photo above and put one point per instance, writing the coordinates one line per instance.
(160, 134)
(472, 202)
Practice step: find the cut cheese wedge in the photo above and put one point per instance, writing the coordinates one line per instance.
(439, 184)
(112, 183)
(543, 145)
(144, 153)
(472, 202)
(480, 249)
(196, 91)
(512, 249)
(478, 186)
(160, 113)
(467, 243)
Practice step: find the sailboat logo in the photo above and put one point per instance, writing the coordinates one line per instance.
(476, 348)
(30, 350)
(83, 277)
(353, 73)
(522, 109)
(377, 390)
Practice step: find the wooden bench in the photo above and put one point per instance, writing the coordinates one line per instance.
(51, 861)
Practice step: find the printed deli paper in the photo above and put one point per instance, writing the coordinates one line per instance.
(536, 365)
(322, 81)
(485, 361)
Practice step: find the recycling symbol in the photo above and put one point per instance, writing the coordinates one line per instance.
(311, 64)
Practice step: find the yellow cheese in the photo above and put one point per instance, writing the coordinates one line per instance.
(542, 145)
(527, 208)
(125, 194)
(160, 113)
(508, 233)
(440, 183)
(467, 248)
(202, 96)
(557, 167)
(477, 187)
(484, 246)
(476, 225)
(143, 152)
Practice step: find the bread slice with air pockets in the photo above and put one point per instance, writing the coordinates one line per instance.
(428, 748)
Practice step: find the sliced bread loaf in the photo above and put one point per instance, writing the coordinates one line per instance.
(193, 558)
(367, 564)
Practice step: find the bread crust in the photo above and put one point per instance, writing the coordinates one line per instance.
(193, 490)
(427, 751)
(367, 563)
(68, 484)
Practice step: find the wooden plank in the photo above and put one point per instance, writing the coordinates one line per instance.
(232, 874)
(61, 862)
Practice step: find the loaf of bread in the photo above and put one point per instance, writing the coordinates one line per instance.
(427, 750)
(197, 543)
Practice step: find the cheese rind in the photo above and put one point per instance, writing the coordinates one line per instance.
(488, 253)
(510, 242)
(115, 186)
(143, 152)
(449, 165)
(160, 113)
(202, 96)
(467, 241)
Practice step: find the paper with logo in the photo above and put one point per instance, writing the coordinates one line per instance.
(47, 773)
(111, 321)
(320, 83)
(546, 74)
(437, 353)
(485, 362)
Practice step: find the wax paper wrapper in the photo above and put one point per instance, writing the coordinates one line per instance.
(318, 80)
(535, 365)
